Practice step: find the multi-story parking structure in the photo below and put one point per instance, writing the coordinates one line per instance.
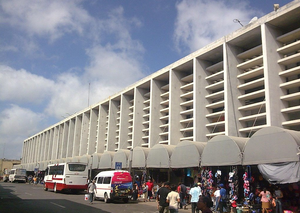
(235, 86)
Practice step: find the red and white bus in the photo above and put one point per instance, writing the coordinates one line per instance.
(66, 176)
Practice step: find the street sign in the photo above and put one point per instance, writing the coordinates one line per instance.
(118, 166)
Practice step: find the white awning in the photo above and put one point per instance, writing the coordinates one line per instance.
(106, 160)
(139, 157)
(96, 160)
(187, 154)
(159, 156)
(223, 150)
(121, 156)
(272, 145)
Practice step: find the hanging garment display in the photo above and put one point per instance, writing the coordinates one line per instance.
(233, 184)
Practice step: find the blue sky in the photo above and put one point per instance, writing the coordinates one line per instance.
(52, 52)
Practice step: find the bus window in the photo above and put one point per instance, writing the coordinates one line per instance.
(106, 180)
(76, 167)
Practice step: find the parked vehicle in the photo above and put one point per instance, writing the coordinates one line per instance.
(17, 175)
(66, 176)
(113, 185)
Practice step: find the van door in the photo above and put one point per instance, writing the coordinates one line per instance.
(106, 184)
(99, 184)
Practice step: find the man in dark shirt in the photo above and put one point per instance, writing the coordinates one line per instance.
(161, 198)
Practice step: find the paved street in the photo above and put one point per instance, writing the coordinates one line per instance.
(20, 197)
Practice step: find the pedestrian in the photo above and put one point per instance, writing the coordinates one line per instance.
(92, 189)
(204, 204)
(35, 180)
(163, 206)
(195, 192)
(181, 189)
(278, 195)
(223, 198)
(135, 191)
(150, 186)
(217, 198)
(173, 199)
(265, 200)
(145, 191)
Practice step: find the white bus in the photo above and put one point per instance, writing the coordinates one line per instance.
(18, 175)
(66, 176)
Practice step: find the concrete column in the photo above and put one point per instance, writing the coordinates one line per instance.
(60, 141)
(272, 79)
(94, 113)
(174, 108)
(232, 114)
(84, 133)
(46, 146)
(103, 112)
(51, 143)
(138, 116)
(34, 148)
(124, 118)
(112, 124)
(64, 142)
(77, 135)
(23, 161)
(55, 145)
(200, 102)
(71, 139)
(155, 122)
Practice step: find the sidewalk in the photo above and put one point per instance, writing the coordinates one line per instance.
(153, 203)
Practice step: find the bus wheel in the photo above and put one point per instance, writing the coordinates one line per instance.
(106, 200)
(45, 188)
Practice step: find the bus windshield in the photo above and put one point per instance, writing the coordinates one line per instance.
(77, 167)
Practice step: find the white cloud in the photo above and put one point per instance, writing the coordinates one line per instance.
(45, 18)
(69, 96)
(20, 86)
(200, 22)
(114, 63)
(17, 123)
(113, 69)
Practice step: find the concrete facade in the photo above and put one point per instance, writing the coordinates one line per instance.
(235, 86)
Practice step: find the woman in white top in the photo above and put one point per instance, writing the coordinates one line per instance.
(217, 197)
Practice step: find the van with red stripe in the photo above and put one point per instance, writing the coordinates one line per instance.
(113, 185)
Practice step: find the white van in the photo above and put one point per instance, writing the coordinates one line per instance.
(113, 185)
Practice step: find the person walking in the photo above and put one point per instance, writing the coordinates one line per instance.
(222, 198)
(265, 200)
(92, 189)
(150, 186)
(173, 199)
(217, 198)
(145, 192)
(163, 206)
(278, 196)
(181, 189)
(195, 192)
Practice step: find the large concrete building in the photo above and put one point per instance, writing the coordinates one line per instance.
(235, 86)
